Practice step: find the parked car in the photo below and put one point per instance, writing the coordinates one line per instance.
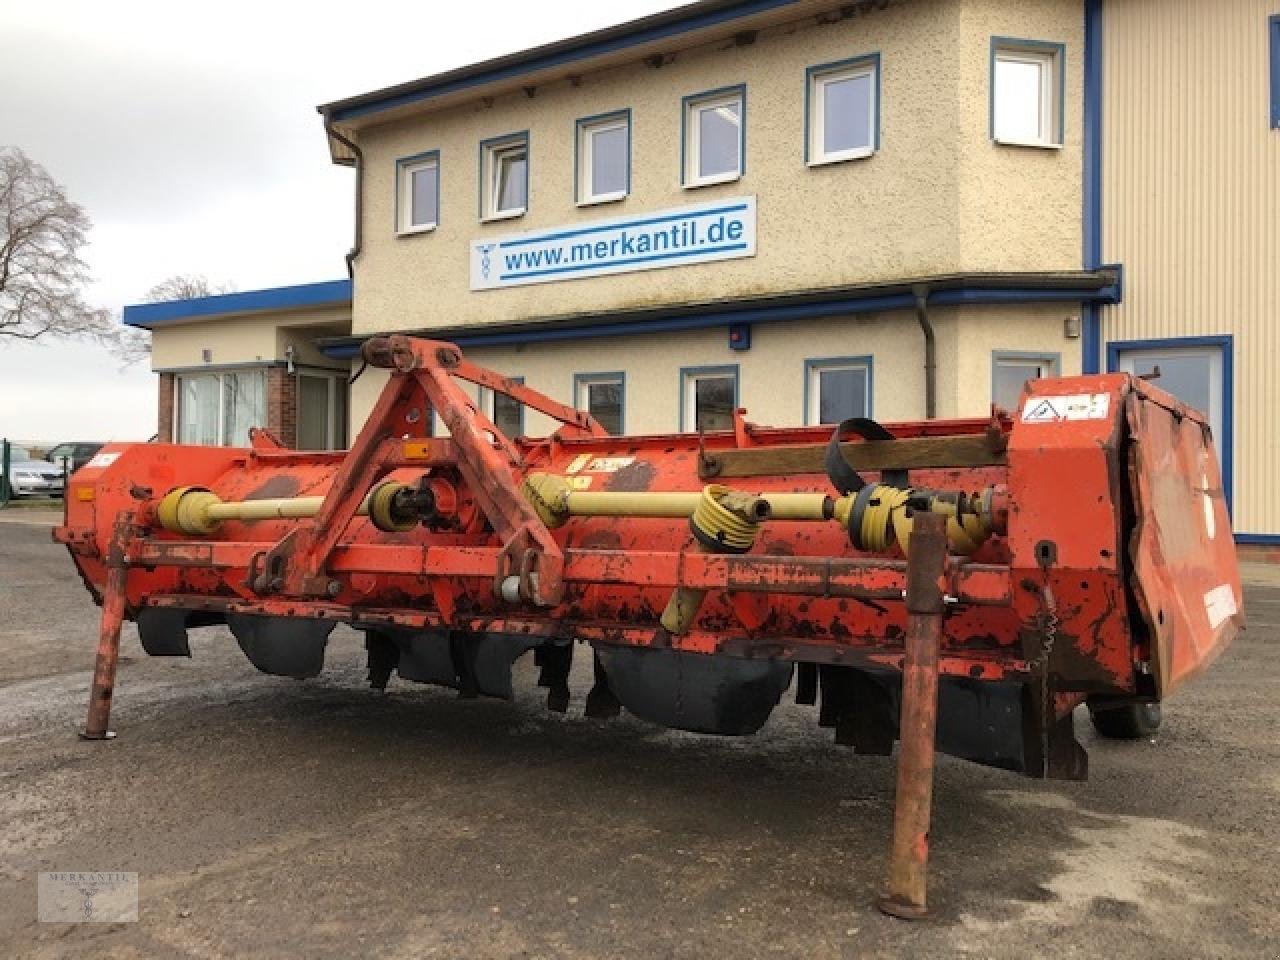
(76, 453)
(29, 477)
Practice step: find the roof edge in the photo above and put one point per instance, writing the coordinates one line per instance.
(270, 299)
(659, 26)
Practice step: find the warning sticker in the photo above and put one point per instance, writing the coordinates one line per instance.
(103, 460)
(1074, 406)
(580, 461)
(1220, 603)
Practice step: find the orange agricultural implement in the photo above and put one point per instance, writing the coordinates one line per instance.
(960, 584)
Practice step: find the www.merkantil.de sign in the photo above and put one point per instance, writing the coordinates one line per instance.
(721, 230)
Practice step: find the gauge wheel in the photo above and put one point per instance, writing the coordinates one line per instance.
(1126, 721)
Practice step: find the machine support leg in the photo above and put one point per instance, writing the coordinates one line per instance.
(909, 858)
(104, 668)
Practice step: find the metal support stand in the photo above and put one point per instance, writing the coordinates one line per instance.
(917, 726)
(104, 668)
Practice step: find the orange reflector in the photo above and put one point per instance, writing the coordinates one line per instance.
(84, 494)
(416, 449)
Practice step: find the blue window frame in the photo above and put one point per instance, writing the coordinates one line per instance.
(708, 397)
(602, 158)
(1028, 92)
(1273, 25)
(604, 396)
(1198, 371)
(507, 413)
(1011, 369)
(842, 110)
(707, 142)
(417, 193)
(837, 388)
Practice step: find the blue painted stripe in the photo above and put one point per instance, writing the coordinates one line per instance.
(616, 225)
(330, 292)
(1274, 24)
(675, 254)
(539, 333)
(1261, 539)
(591, 45)
(1091, 338)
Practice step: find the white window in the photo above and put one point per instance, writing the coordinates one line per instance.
(1193, 374)
(714, 137)
(837, 389)
(418, 191)
(843, 105)
(217, 409)
(604, 158)
(1010, 373)
(322, 411)
(506, 412)
(709, 397)
(1026, 93)
(504, 165)
(602, 395)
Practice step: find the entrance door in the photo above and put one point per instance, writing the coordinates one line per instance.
(322, 411)
(1193, 374)
(1196, 370)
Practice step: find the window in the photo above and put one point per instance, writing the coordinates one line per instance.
(1011, 371)
(837, 389)
(604, 158)
(714, 138)
(1026, 92)
(708, 397)
(418, 193)
(504, 177)
(602, 395)
(322, 411)
(506, 412)
(1273, 24)
(843, 105)
(217, 409)
(1192, 372)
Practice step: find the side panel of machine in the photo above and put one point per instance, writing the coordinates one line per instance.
(1186, 578)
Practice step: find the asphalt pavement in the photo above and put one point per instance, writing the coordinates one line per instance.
(318, 819)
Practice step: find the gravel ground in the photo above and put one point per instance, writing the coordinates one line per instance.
(274, 818)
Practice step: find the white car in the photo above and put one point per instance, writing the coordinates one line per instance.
(29, 477)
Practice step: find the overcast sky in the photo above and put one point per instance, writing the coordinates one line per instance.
(189, 134)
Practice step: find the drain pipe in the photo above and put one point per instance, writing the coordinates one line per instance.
(357, 241)
(921, 293)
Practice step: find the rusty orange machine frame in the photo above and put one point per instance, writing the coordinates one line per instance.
(959, 585)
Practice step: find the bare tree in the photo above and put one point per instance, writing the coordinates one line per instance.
(185, 286)
(41, 273)
(132, 344)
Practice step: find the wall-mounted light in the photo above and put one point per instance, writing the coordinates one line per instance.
(206, 355)
(1071, 327)
(288, 359)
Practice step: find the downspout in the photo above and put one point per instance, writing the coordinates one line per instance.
(921, 292)
(357, 241)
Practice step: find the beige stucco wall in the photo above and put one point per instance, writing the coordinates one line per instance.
(1191, 198)
(262, 337)
(771, 374)
(938, 197)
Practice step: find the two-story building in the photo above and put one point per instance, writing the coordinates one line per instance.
(892, 208)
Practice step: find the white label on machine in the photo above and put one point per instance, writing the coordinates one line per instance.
(1220, 603)
(103, 459)
(609, 464)
(1074, 406)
